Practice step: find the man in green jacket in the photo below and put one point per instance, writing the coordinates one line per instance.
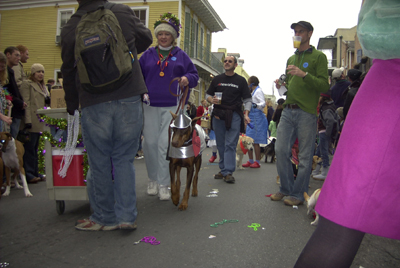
(306, 79)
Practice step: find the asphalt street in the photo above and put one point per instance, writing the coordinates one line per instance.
(32, 234)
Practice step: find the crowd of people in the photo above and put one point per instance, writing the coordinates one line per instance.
(21, 95)
(314, 111)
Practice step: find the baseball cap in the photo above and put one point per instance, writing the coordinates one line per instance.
(303, 24)
(337, 72)
(354, 74)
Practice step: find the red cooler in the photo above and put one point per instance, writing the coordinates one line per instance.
(75, 171)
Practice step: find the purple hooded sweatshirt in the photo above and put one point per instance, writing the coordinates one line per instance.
(179, 64)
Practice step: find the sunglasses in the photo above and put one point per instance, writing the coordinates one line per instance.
(230, 61)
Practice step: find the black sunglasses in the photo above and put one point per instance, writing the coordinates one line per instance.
(230, 61)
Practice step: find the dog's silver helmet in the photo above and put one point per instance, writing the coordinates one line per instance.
(182, 121)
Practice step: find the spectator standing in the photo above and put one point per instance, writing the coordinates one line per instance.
(111, 124)
(306, 78)
(339, 88)
(18, 105)
(201, 111)
(212, 142)
(259, 131)
(160, 65)
(364, 171)
(270, 110)
(228, 119)
(4, 103)
(355, 76)
(276, 117)
(34, 92)
(50, 83)
(327, 120)
(191, 110)
(19, 71)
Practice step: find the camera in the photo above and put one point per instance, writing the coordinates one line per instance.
(282, 79)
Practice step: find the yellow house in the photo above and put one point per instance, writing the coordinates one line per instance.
(37, 24)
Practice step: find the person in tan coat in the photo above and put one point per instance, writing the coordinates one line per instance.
(34, 92)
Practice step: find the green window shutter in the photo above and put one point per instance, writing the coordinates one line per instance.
(187, 33)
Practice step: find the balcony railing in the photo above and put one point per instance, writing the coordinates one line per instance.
(197, 51)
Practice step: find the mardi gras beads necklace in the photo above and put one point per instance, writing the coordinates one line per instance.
(161, 61)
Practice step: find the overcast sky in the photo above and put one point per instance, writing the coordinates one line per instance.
(260, 30)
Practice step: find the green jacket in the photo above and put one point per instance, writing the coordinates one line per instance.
(305, 92)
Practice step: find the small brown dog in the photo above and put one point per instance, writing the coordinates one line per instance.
(181, 154)
(12, 154)
(244, 144)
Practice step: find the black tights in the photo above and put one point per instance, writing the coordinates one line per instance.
(331, 245)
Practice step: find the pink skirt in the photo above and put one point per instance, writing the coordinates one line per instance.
(362, 189)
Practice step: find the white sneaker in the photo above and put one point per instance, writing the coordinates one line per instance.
(322, 176)
(152, 188)
(317, 170)
(164, 193)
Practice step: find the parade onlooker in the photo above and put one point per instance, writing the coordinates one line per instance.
(191, 110)
(212, 142)
(339, 88)
(306, 79)
(259, 130)
(355, 76)
(18, 105)
(276, 118)
(201, 111)
(19, 71)
(364, 171)
(111, 124)
(160, 65)
(228, 119)
(4, 103)
(327, 120)
(50, 83)
(270, 110)
(34, 92)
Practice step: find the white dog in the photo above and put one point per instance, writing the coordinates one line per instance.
(244, 144)
(311, 202)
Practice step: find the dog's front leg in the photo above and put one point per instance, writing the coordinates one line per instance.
(15, 179)
(25, 185)
(8, 179)
(240, 161)
(185, 199)
(174, 190)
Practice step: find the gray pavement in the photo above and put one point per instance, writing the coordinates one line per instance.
(32, 234)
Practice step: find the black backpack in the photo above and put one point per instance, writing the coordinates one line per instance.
(336, 125)
(102, 56)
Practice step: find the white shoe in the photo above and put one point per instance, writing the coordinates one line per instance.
(317, 170)
(152, 188)
(322, 176)
(164, 193)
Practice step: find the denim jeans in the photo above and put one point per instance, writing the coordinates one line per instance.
(14, 127)
(295, 123)
(111, 132)
(323, 149)
(226, 143)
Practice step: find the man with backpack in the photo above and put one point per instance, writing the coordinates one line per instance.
(328, 126)
(102, 76)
